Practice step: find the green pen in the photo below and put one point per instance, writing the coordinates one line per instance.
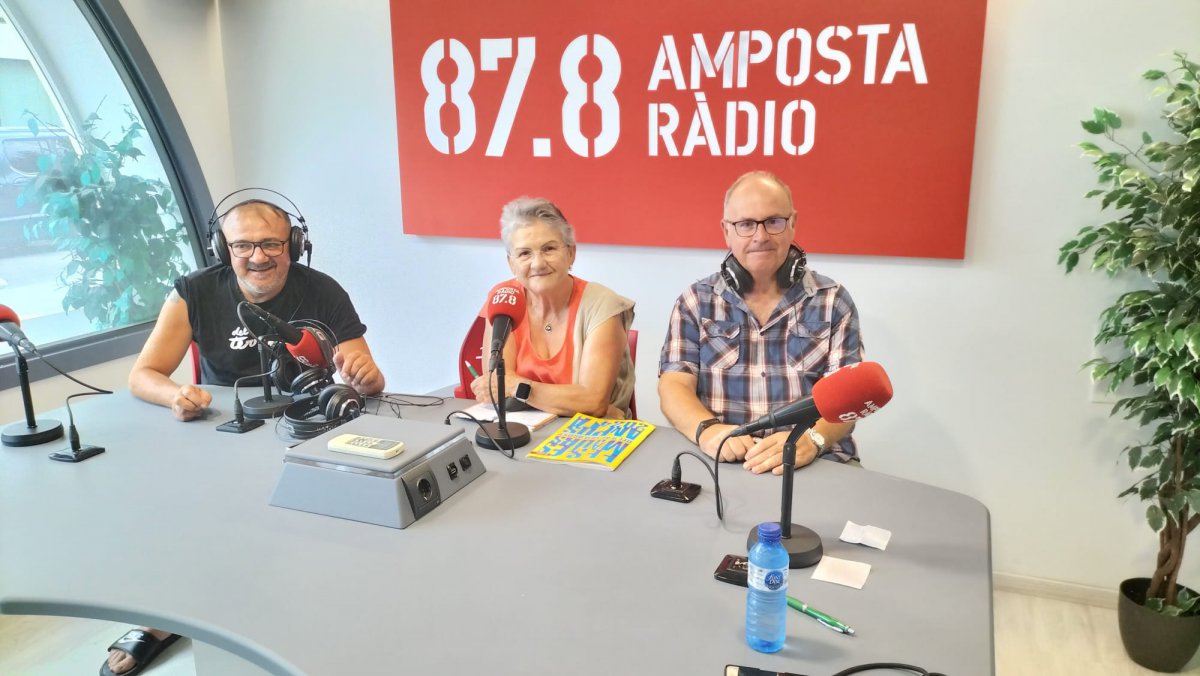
(471, 369)
(827, 620)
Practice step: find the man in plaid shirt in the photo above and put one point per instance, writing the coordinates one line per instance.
(757, 335)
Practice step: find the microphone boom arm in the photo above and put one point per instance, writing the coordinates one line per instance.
(789, 471)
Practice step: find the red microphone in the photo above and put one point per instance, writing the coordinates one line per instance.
(313, 350)
(846, 395)
(10, 327)
(853, 392)
(506, 309)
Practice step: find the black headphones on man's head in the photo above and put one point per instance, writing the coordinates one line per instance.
(791, 272)
(298, 241)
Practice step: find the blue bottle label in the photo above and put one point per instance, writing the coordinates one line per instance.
(767, 579)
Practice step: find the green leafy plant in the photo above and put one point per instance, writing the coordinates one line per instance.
(123, 232)
(1155, 237)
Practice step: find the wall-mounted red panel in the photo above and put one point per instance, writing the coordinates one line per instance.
(635, 117)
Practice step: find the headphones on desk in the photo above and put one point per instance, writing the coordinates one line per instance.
(323, 405)
(788, 274)
(298, 241)
(313, 415)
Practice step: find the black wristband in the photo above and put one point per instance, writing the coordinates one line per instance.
(705, 424)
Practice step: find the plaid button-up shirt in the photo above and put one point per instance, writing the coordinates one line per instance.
(745, 370)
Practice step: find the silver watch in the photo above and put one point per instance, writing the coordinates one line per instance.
(818, 440)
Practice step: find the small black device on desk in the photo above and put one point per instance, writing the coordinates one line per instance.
(733, 569)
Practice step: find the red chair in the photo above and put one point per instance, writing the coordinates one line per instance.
(194, 350)
(471, 353)
(633, 358)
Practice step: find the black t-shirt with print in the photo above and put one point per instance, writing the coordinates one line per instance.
(227, 349)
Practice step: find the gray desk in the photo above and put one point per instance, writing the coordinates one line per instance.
(532, 569)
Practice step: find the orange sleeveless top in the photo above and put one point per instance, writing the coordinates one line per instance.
(557, 369)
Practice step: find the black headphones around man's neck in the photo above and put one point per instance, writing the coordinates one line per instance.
(788, 274)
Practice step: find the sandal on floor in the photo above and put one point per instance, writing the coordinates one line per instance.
(141, 646)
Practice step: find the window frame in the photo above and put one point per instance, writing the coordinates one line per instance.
(166, 132)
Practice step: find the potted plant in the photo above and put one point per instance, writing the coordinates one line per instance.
(123, 232)
(1154, 238)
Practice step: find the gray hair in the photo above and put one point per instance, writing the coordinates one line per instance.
(525, 211)
(764, 176)
(259, 206)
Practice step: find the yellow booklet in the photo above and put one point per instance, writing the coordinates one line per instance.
(597, 443)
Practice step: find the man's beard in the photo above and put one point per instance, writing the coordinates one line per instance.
(256, 289)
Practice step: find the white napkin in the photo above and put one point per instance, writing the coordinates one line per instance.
(843, 572)
(866, 535)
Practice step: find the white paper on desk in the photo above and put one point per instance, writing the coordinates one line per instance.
(866, 535)
(532, 418)
(843, 572)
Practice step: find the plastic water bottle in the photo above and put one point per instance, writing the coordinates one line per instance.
(766, 598)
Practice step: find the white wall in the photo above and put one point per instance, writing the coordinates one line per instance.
(183, 38)
(984, 353)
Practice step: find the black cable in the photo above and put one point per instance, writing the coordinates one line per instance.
(238, 381)
(72, 433)
(677, 477)
(395, 401)
(717, 477)
(95, 390)
(242, 318)
(888, 665)
(509, 453)
(238, 414)
(491, 394)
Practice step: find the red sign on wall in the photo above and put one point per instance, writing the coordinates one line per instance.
(635, 117)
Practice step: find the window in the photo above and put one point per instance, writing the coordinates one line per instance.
(102, 204)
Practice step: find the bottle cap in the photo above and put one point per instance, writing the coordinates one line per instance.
(769, 532)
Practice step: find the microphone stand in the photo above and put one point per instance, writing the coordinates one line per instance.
(240, 423)
(803, 544)
(266, 406)
(32, 431)
(507, 437)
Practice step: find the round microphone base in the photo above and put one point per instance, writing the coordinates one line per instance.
(516, 436)
(804, 546)
(20, 434)
(259, 408)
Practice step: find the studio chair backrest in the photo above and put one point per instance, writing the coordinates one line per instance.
(633, 358)
(194, 350)
(471, 353)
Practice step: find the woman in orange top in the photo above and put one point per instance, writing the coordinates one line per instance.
(572, 347)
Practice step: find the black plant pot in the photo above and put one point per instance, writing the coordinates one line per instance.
(1153, 640)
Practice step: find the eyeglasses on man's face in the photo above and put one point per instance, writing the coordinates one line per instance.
(271, 247)
(747, 227)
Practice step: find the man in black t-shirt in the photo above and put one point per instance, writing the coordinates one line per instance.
(203, 308)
